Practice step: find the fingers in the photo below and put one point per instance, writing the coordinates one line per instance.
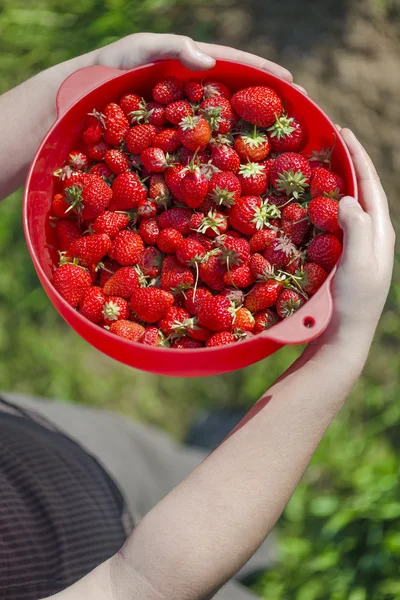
(182, 48)
(357, 229)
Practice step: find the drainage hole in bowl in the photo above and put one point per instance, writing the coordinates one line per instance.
(308, 322)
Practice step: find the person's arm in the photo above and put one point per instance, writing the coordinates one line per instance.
(203, 532)
(28, 111)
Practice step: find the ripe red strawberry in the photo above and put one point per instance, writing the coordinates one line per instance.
(174, 321)
(110, 223)
(194, 187)
(178, 110)
(216, 313)
(216, 88)
(71, 282)
(252, 146)
(126, 248)
(90, 197)
(107, 268)
(155, 114)
(258, 105)
(177, 218)
(187, 157)
(312, 276)
(193, 300)
(154, 160)
(127, 192)
(60, 207)
(154, 337)
(167, 140)
(225, 158)
(139, 137)
(93, 130)
(158, 190)
(234, 250)
(77, 160)
(212, 225)
(224, 188)
(278, 200)
(204, 240)
(260, 268)
(169, 239)
(291, 174)
(168, 90)
(212, 271)
(91, 305)
(117, 161)
(325, 250)
(251, 213)
(190, 252)
(193, 91)
(123, 283)
(98, 150)
(102, 170)
(115, 124)
(90, 249)
(295, 222)
(194, 133)
(265, 319)
(222, 338)
(261, 239)
(149, 231)
(287, 134)
(244, 320)
(253, 179)
(280, 251)
(67, 232)
(114, 308)
(175, 277)
(263, 295)
(173, 178)
(151, 304)
(326, 183)
(186, 343)
(130, 103)
(219, 114)
(150, 262)
(288, 302)
(128, 330)
(240, 276)
(323, 213)
(147, 209)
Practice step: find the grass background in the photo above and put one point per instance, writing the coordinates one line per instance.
(340, 534)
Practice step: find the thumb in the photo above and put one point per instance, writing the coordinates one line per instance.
(357, 229)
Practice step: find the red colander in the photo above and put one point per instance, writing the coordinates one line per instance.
(94, 87)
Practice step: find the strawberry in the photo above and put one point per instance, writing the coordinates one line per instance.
(154, 160)
(326, 183)
(287, 134)
(60, 207)
(194, 187)
(253, 179)
(114, 308)
(235, 296)
(295, 222)
(158, 190)
(93, 130)
(325, 250)
(154, 337)
(173, 178)
(194, 133)
(71, 282)
(77, 160)
(169, 239)
(178, 110)
(151, 304)
(252, 146)
(122, 283)
(147, 209)
(225, 158)
(260, 268)
(150, 262)
(186, 157)
(323, 213)
(205, 241)
(206, 206)
(167, 140)
(224, 188)
(280, 251)
(107, 268)
(175, 277)
(149, 231)
(110, 223)
(288, 302)
(67, 232)
(177, 218)
(139, 137)
(115, 123)
(90, 249)
(222, 338)
(186, 343)
(261, 239)
(251, 213)
(259, 105)
(168, 90)
(129, 103)
(312, 276)
(240, 276)
(263, 295)
(212, 225)
(244, 320)
(102, 170)
(98, 150)
(291, 174)
(190, 252)
(128, 330)
(265, 319)
(212, 271)
(216, 313)
(216, 88)
(127, 192)
(193, 91)
(91, 305)
(90, 197)
(219, 114)
(155, 114)
(235, 250)
(117, 161)
(126, 248)
(174, 321)
(278, 200)
(193, 300)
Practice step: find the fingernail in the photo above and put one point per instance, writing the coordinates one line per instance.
(349, 201)
(205, 58)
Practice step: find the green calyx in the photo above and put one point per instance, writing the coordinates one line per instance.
(111, 311)
(189, 123)
(264, 213)
(292, 183)
(142, 114)
(254, 139)
(73, 195)
(282, 127)
(223, 197)
(211, 221)
(290, 307)
(143, 279)
(213, 116)
(251, 169)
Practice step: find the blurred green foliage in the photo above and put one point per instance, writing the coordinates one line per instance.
(340, 534)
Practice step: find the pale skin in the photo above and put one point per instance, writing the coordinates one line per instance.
(203, 532)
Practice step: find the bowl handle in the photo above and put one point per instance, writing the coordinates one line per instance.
(80, 83)
(308, 322)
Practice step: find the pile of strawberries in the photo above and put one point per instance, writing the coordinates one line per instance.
(192, 219)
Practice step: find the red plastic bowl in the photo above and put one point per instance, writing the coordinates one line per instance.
(95, 87)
